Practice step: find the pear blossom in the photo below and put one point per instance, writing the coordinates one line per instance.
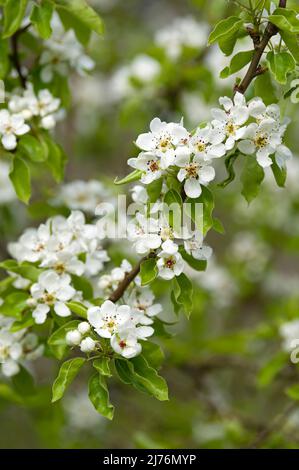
(142, 305)
(151, 166)
(51, 290)
(82, 195)
(170, 266)
(73, 338)
(15, 348)
(162, 140)
(63, 50)
(289, 332)
(11, 126)
(125, 341)
(228, 122)
(143, 232)
(107, 319)
(195, 248)
(109, 282)
(195, 173)
(262, 140)
(206, 143)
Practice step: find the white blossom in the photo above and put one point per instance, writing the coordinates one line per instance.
(51, 290)
(11, 126)
(170, 266)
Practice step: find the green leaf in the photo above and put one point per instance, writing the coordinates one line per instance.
(24, 269)
(237, 63)
(270, 370)
(281, 63)
(280, 174)
(173, 211)
(229, 165)
(154, 190)
(81, 10)
(197, 264)
(25, 322)
(56, 158)
(225, 29)
(134, 176)
(148, 271)
(13, 12)
(57, 340)
(66, 375)
(183, 292)
(70, 21)
(102, 366)
(153, 354)
(20, 178)
(264, 88)
(99, 396)
(82, 284)
(293, 392)
(292, 43)
(41, 18)
(203, 220)
(23, 382)
(285, 19)
(4, 56)
(33, 148)
(77, 308)
(14, 304)
(141, 376)
(251, 177)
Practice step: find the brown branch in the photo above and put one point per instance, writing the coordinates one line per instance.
(129, 277)
(253, 69)
(15, 57)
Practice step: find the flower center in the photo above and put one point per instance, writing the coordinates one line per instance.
(231, 128)
(261, 140)
(4, 352)
(169, 263)
(192, 170)
(122, 344)
(49, 299)
(166, 233)
(60, 268)
(153, 165)
(201, 146)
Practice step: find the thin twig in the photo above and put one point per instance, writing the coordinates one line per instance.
(15, 56)
(252, 71)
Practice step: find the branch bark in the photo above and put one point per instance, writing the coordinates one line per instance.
(254, 67)
(15, 56)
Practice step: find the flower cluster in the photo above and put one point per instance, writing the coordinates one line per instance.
(82, 195)
(16, 347)
(62, 51)
(182, 33)
(62, 247)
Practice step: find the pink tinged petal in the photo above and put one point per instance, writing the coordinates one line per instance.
(263, 158)
(206, 174)
(192, 187)
(247, 147)
(9, 141)
(145, 141)
(61, 309)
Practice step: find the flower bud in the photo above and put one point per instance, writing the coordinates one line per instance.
(84, 327)
(73, 337)
(87, 345)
